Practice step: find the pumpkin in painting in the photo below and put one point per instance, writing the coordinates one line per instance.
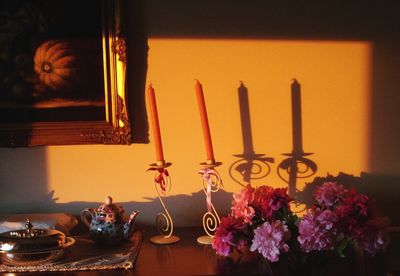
(56, 65)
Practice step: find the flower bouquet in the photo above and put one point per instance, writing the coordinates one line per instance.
(341, 217)
(262, 221)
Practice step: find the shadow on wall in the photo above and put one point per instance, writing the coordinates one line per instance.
(23, 179)
(271, 19)
(188, 210)
(185, 210)
(251, 165)
(136, 72)
(385, 102)
(254, 166)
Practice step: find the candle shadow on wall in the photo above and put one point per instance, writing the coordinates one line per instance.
(296, 165)
(251, 165)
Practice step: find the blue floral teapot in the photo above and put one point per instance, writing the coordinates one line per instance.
(107, 224)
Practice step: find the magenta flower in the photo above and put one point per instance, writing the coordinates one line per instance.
(317, 230)
(354, 212)
(329, 194)
(361, 204)
(231, 233)
(269, 240)
(241, 204)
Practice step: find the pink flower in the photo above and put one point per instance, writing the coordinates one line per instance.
(342, 212)
(317, 230)
(241, 204)
(329, 194)
(269, 240)
(270, 201)
(231, 233)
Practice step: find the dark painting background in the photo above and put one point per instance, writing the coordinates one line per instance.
(74, 29)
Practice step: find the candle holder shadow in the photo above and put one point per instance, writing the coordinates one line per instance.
(296, 166)
(212, 183)
(164, 223)
(250, 167)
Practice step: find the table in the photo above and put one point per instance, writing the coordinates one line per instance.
(187, 257)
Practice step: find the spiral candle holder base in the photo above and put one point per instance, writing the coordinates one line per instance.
(160, 239)
(211, 183)
(164, 223)
(205, 239)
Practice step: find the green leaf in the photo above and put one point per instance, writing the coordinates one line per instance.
(341, 247)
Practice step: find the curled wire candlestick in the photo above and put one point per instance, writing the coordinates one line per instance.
(211, 183)
(162, 183)
(164, 223)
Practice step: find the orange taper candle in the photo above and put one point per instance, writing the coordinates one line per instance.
(204, 122)
(156, 125)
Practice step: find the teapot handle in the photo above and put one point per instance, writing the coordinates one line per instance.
(88, 212)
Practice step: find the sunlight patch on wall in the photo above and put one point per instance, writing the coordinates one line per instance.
(335, 94)
(335, 81)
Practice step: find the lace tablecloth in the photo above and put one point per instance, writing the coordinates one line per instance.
(85, 255)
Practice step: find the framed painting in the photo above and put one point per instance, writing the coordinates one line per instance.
(62, 73)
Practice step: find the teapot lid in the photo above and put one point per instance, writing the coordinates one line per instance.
(109, 207)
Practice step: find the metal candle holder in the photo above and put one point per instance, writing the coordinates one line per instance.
(211, 183)
(164, 223)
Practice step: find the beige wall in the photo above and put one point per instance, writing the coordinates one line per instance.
(344, 106)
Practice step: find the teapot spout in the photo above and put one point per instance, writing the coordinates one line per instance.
(133, 216)
(129, 225)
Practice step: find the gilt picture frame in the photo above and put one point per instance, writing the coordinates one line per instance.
(62, 73)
